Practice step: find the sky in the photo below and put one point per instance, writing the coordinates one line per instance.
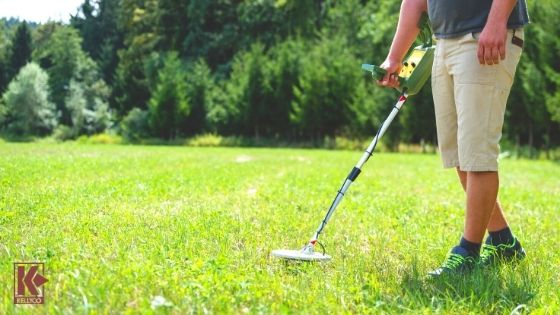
(39, 10)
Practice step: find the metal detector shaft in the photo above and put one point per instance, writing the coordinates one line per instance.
(358, 168)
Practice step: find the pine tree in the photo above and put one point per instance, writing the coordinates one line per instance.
(21, 50)
(102, 36)
(169, 105)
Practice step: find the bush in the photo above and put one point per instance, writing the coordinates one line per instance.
(63, 133)
(102, 138)
(206, 140)
(134, 127)
(28, 110)
(88, 107)
(343, 143)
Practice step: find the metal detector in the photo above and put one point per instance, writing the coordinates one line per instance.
(414, 74)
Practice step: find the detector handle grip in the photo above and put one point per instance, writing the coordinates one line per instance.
(377, 72)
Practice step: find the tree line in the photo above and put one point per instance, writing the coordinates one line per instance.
(277, 69)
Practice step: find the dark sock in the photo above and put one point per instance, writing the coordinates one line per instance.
(503, 236)
(472, 248)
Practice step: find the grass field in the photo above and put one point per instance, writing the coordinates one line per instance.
(135, 229)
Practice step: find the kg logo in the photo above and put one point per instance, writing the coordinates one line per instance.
(28, 282)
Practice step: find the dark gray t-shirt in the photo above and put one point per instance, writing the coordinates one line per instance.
(452, 18)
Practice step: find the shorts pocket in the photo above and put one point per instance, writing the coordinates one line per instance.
(513, 55)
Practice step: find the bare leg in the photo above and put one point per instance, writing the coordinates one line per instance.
(482, 191)
(497, 220)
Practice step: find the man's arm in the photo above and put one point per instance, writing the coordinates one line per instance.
(407, 30)
(492, 41)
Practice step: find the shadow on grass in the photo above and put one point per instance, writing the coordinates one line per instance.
(496, 290)
(296, 267)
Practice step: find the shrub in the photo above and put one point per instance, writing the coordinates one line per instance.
(134, 127)
(28, 110)
(89, 110)
(102, 138)
(63, 133)
(206, 140)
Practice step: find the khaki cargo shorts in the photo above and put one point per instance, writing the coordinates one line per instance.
(470, 101)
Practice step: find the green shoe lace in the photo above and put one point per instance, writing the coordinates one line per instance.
(496, 253)
(488, 252)
(453, 261)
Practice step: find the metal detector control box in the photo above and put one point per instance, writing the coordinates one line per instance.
(416, 70)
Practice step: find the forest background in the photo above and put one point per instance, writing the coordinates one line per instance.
(268, 72)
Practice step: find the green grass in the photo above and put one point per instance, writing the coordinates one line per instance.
(118, 226)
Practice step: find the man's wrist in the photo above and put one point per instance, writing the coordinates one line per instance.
(393, 58)
(496, 23)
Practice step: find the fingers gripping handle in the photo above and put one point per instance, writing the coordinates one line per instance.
(377, 72)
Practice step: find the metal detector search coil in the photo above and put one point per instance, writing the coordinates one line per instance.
(300, 255)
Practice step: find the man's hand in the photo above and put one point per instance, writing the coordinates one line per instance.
(391, 78)
(492, 44)
(407, 30)
(492, 41)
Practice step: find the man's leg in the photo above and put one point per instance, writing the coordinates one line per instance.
(482, 191)
(497, 220)
(501, 244)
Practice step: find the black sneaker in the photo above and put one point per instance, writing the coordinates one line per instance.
(458, 261)
(502, 253)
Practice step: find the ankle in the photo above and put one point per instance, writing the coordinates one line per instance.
(503, 236)
(471, 247)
